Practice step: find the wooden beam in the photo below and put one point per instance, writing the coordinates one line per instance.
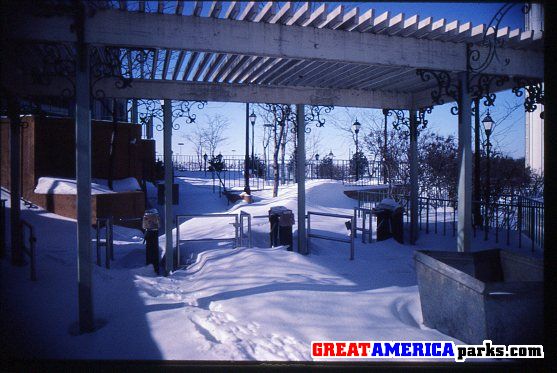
(164, 31)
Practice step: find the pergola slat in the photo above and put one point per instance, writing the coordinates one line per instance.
(231, 62)
(265, 13)
(291, 66)
(283, 15)
(166, 63)
(189, 66)
(215, 9)
(333, 18)
(233, 10)
(155, 63)
(358, 77)
(307, 68)
(386, 79)
(277, 66)
(350, 70)
(213, 67)
(179, 7)
(300, 16)
(396, 24)
(178, 65)
(249, 12)
(365, 22)
(316, 17)
(248, 70)
(380, 22)
(236, 69)
(201, 66)
(267, 64)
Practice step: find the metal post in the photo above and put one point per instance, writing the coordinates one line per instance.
(15, 178)
(477, 188)
(135, 115)
(167, 124)
(301, 178)
(413, 177)
(246, 157)
(487, 185)
(83, 173)
(386, 114)
(465, 167)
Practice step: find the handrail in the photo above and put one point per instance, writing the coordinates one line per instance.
(340, 216)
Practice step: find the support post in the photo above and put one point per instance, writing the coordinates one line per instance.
(464, 231)
(167, 125)
(83, 174)
(15, 181)
(246, 157)
(135, 115)
(413, 176)
(477, 190)
(301, 178)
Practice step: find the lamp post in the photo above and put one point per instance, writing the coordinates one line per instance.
(317, 161)
(356, 128)
(205, 163)
(180, 144)
(488, 124)
(252, 118)
(246, 156)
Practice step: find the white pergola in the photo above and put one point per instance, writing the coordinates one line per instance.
(263, 52)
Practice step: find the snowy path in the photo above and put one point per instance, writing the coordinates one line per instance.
(231, 304)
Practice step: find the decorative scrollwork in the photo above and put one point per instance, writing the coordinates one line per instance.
(401, 120)
(535, 90)
(482, 88)
(180, 110)
(445, 87)
(477, 63)
(315, 112)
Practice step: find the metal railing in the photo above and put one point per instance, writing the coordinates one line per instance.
(508, 218)
(262, 172)
(349, 240)
(184, 217)
(107, 241)
(28, 231)
(245, 237)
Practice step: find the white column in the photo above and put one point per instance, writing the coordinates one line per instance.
(414, 190)
(301, 178)
(168, 216)
(83, 175)
(464, 230)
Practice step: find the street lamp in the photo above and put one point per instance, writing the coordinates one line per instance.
(331, 156)
(317, 161)
(205, 163)
(488, 124)
(356, 128)
(252, 119)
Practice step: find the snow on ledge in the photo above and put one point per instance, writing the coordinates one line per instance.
(52, 185)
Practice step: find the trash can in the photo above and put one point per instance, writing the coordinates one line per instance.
(389, 215)
(150, 224)
(281, 220)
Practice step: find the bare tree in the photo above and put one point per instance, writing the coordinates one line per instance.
(197, 139)
(213, 132)
(282, 117)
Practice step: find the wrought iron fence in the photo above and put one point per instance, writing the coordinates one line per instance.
(262, 173)
(509, 218)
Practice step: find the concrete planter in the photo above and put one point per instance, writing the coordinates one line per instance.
(492, 294)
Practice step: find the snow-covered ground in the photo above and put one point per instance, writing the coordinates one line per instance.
(255, 303)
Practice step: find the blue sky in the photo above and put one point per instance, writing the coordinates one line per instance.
(508, 135)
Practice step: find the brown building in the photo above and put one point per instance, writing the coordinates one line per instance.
(48, 149)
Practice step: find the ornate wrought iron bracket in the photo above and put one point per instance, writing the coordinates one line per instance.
(482, 87)
(535, 92)
(446, 87)
(180, 109)
(401, 120)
